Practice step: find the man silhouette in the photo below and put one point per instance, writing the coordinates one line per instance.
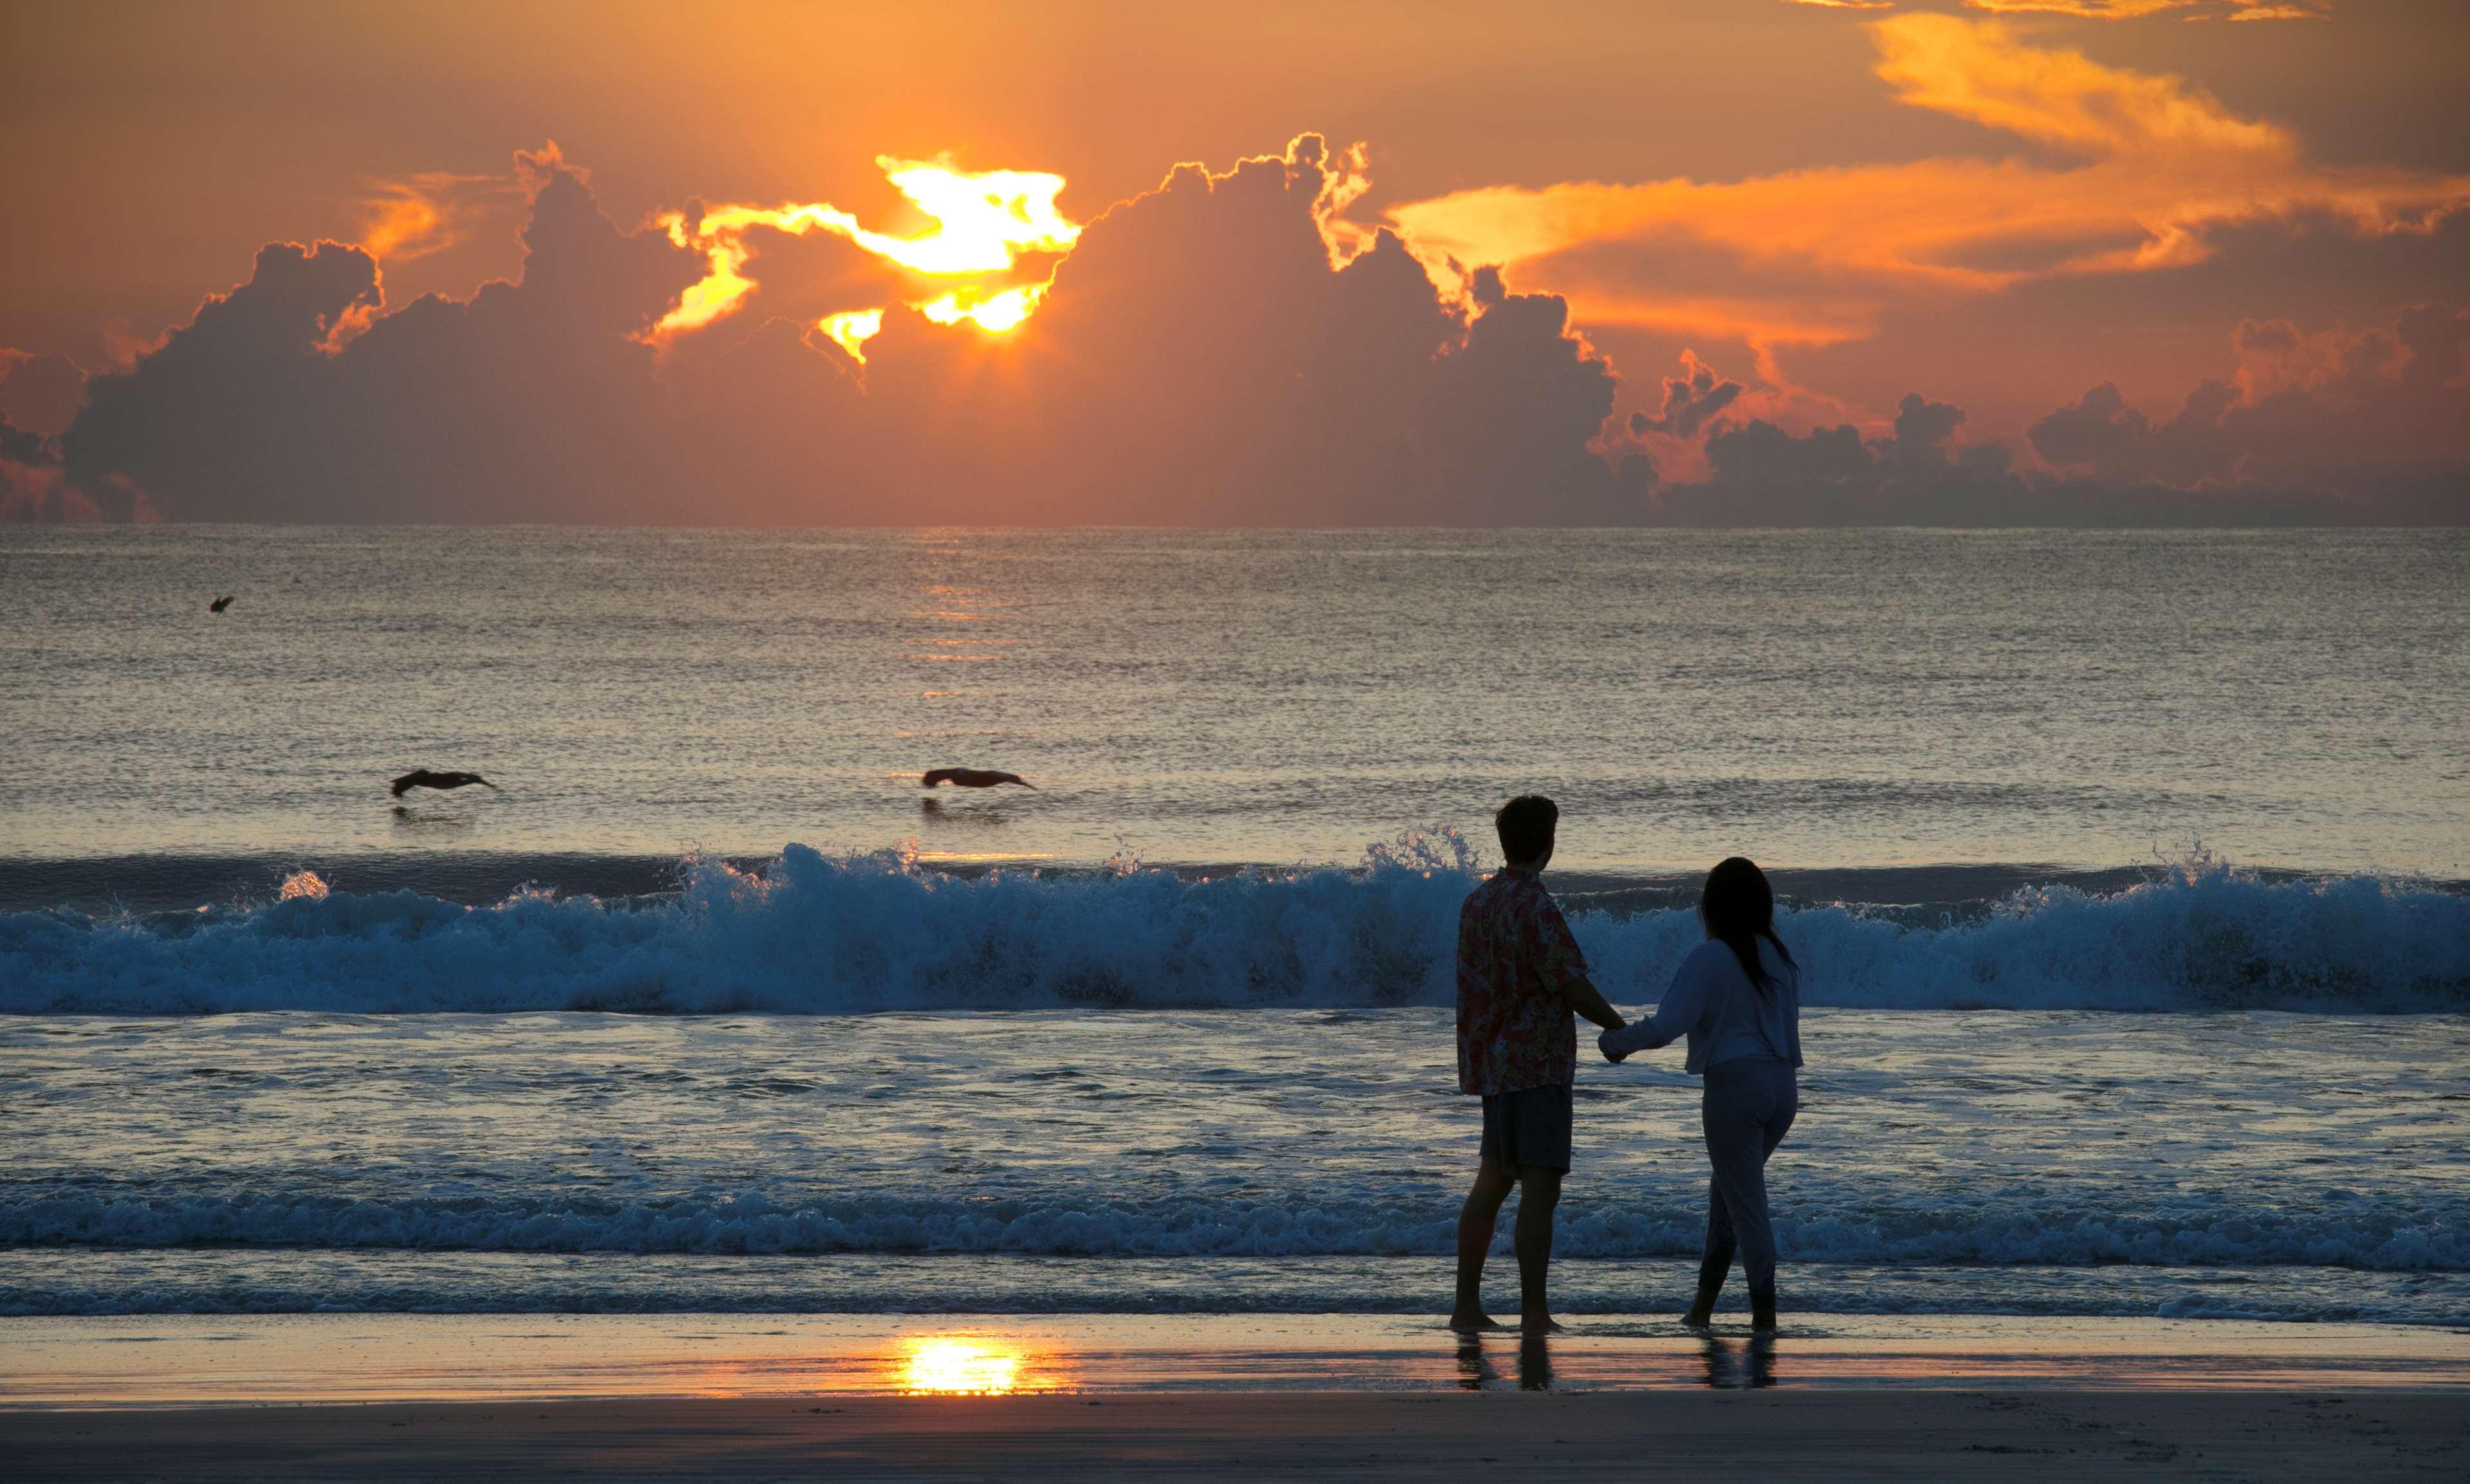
(1520, 978)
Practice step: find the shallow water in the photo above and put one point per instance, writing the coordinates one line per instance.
(2254, 1164)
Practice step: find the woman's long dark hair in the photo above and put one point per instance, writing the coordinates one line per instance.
(1737, 906)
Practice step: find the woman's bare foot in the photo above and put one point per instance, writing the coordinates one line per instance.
(1712, 1269)
(1478, 1320)
(1538, 1324)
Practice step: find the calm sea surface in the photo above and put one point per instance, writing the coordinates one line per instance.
(1815, 699)
(713, 1007)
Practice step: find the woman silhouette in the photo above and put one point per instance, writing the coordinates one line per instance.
(1738, 998)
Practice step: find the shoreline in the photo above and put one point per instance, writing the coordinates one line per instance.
(246, 1283)
(172, 1361)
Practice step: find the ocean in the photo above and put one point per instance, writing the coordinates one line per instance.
(2131, 872)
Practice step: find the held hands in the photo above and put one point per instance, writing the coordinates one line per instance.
(1605, 1044)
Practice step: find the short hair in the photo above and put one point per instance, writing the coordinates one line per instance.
(1525, 825)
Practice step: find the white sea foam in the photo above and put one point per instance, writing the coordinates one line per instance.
(294, 1280)
(821, 935)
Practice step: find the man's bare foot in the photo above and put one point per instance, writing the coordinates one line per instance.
(1478, 1320)
(1697, 1318)
(1538, 1324)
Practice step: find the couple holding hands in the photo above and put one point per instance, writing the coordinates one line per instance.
(1521, 981)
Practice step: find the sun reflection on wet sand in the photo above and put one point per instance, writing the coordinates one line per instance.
(962, 1368)
(203, 1359)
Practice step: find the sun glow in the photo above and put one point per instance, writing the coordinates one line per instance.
(400, 221)
(851, 331)
(997, 312)
(983, 222)
(949, 1367)
(716, 294)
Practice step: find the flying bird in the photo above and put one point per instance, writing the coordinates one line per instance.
(221, 603)
(422, 778)
(971, 778)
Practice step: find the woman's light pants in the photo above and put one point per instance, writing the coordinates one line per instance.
(1746, 1110)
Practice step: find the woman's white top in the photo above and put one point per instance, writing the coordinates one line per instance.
(1715, 1005)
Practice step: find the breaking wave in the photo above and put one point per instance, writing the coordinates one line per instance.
(811, 933)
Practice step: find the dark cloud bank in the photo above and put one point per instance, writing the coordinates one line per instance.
(1198, 360)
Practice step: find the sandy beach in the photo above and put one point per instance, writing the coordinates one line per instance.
(751, 1396)
(1846, 1434)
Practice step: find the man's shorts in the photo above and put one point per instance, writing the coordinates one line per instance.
(1528, 1129)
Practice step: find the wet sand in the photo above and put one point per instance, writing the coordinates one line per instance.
(1846, 1434)
(203, 1360)
(852, 1397)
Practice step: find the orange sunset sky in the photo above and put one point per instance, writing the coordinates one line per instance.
(1696, 262)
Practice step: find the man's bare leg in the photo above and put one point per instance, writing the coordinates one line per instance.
(1539, 1192)
(1492, 1186)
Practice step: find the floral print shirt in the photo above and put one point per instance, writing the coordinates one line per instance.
(1515, 956)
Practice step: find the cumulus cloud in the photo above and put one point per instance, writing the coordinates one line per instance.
(2332, 426)
(1923, 430)
(528, 401)
(39, 393)
(33, 485)
(1764, 476)
(34, 491)
(1207, 353)
(2377, 416)
(1690, 398)
(1222, 350)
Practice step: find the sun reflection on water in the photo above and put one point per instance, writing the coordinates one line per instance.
(952, 1367)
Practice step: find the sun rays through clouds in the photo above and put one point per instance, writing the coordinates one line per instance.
(984, 224)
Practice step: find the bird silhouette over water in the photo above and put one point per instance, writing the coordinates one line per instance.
(422, 778)
(221, 603)
(971, 778)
